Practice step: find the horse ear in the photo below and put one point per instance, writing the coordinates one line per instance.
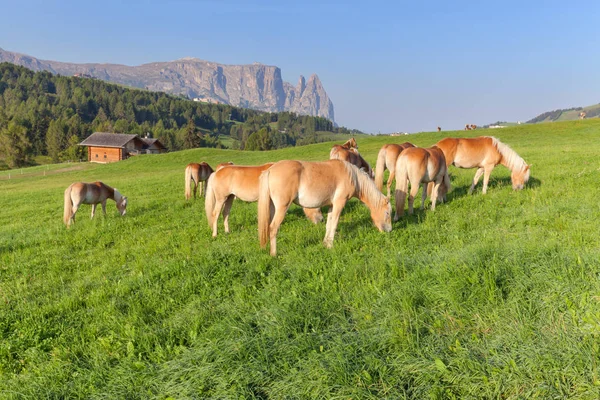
(527, 167)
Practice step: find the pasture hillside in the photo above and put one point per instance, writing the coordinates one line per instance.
(493, 296)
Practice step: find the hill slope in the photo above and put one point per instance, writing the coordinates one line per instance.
(489, 296)
(568, 114)
(255, 86)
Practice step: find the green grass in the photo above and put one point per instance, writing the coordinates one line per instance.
(494, 296)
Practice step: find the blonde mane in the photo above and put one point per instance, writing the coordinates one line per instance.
(365, 187)
(511, 158)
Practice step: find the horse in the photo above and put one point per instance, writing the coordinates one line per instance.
(312, 185)
(484, 153)
(196, 174)
(439, 129)
(350, 144)
(387, 159)
(90, 193)
(238, 181)
(352, 156)
(223, 164)
(420, 166)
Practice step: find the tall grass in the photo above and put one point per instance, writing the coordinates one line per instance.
(493, 296)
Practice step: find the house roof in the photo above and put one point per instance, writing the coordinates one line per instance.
(105, 139)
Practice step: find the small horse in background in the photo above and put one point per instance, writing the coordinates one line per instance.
(312, 185)
(352, 156)
(242, 182)
(196, 174)
(90, 193)
(484, 153)
(420, 166)
(387, 159)
(223, 164)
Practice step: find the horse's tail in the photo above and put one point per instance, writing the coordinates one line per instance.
(188, 181)
(401, 185)
(210, 199)
(380, 169)
(264, 209)
(68, 206)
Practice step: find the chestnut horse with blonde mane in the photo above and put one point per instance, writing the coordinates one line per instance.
(386, 159)
(352, 156)
(90, 193)
(239, 181)
(420, 166)
(196, 174)
(484, 153)
(223, 164)
(312, 185)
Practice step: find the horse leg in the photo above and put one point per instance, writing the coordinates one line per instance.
(195, 183)
(390, 181)
(216, 212)
(202, 185)
(476, 179)
(226, 209)
(424, 185)
(104, 207)
(274, 227)
(332, 221)
(93, 210)
(486, 178)
(414, 189)
(72, 218)
(434, 194)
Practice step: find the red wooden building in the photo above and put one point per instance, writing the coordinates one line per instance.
(106, 147)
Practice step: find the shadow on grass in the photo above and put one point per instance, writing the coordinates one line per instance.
(494, 183)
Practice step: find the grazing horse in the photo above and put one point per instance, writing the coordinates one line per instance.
(196, 174)
(484, 153)
(312, 185)
(352, 156)
(387, 159)
(223, 164)
(90, 193)
(420, 166)
(237, 181)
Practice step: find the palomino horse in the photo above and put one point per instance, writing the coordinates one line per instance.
(350, 144)
(420, 166)
(352, 156)
(196, 174)
(223, 164)
(387, 159)
(237, 181)
(484, 153)
(90, 193)
(312, 185)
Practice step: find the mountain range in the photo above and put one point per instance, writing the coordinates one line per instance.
(255, 86)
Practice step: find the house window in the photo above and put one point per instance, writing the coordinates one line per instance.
(104, 155)
(96, 155)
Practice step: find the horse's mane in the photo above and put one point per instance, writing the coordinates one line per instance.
(364, 185)
(512, 159)
(117, 195)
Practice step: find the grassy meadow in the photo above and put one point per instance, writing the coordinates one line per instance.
(494, 296)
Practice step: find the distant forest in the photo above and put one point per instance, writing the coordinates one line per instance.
(45, 114)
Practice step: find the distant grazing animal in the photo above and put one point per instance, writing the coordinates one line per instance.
(387, 159)
(312, 185)
(224, 164)
(352, 156)
(196, 174)
(467, 127)
(90, 193)
(439, 129)
(473, 126)
(239, 181)
(420, 166)
(484, 153)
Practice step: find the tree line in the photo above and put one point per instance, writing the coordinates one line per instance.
(46, 114)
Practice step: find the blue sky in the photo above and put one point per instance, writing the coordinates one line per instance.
(387, 66)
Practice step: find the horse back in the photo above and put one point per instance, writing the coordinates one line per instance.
(241, 180)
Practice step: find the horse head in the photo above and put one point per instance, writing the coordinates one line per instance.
(382, 215)
(520, 177)
(121, 202)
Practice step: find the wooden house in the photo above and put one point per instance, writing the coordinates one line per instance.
(106, 147)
